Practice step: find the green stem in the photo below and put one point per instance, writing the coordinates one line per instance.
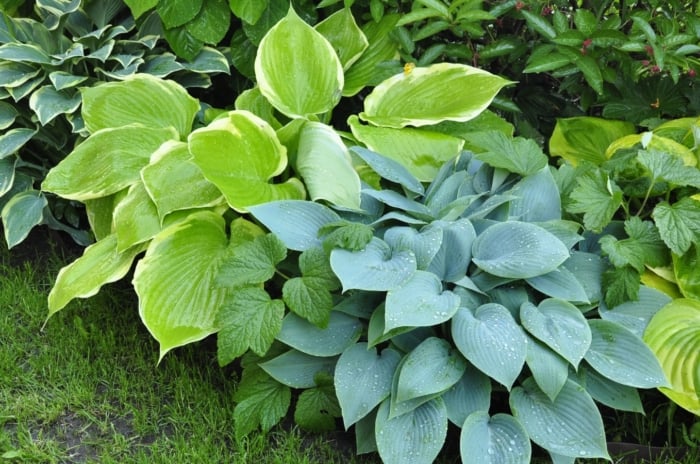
(646, 198)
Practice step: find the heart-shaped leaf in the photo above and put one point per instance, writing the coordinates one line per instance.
(424, 243)
(419, 302)
(518, 250)
(500, 439)
(345, 36)
(549, 370)
(298, 370)
(363, 380)
(341, 332)
(20, 214)
(374, 268)
(472, 393)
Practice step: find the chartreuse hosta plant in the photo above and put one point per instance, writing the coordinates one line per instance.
(469, 302)
(153, 180)
(642, 193)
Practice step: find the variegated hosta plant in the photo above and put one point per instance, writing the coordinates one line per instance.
(153, 180)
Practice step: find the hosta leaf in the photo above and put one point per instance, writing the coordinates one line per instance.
(296, 223)
(63, 80)
(249, 318)
(500, 439)
(297, 370)
(429, 95)
(240, 154)
(100, 264)
(412, 438)
(171, 167)
(687, 272)
(492, 341)
(175, 13)
(609, 393)
(518, 250)
(8, 114)
(570, 425)
(341, 332)
(324, 163)
(115, 157)
(560, 283)
(24, 53)
(135, 218)
(419, 302)
(389, 169)
(19, 215)
(47, 103)
(309, 298)
(421, 152)
(537, 198)
(374, 268)
(585, 138)
(560, 325)
(587, 268)
(13, 140)
(623, 357)
(363, 380)
(635, 315)
(470, 394)
(142, 99)
(7, 175)
(341, 30)
(178, 300)
(549, 370)
(424, 244)
(674, 336)
(432, 367)
(297, 69)
(451, 261)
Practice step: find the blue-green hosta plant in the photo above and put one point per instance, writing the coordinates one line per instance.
(470, 302)
(152, 179)
(44, 61)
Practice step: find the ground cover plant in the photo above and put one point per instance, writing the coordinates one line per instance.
(483, 248)
(46, 56)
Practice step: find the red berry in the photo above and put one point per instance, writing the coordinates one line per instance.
(587, 43)
(547, 10)
(650, 51)
(655, 69)
(645, 63)
(692, 72)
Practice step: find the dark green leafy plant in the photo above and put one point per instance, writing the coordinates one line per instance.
(44, 62)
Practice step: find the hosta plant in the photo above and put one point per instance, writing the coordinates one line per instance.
(45, 60)
(469, 302)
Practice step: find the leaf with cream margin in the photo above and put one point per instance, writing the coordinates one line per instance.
(100, 264)
(240, 153)
(139, 99)
(325, 164)
(432, 94)
(175, 281)
(342, 32)
(297, 69)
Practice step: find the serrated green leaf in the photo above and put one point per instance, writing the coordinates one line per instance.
(350, 236)
(621, 284)
(316, 409)
(642, 247)
(261, 402)
(249, 319)
(315, 263)
(597, 197)
(679, 224)
(252, 262)
(669, 168)
(519, 155)
(309, 298)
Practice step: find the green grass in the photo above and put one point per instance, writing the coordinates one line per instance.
(86, 387)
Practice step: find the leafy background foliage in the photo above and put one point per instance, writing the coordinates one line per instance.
(442, 259)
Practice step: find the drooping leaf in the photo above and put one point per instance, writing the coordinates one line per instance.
(374, 268)
(432, 367)
(100, 264)
(341, 332)
(389, 169)
(13, 140)
(674, 336)
(500, 439)
(135, 218)
(560, 325)
(412, 438)
(419, 302)
(297, 69)
(549, 370)
(622, 356)
(324, 163)
(492, 341)
(610, 393)
(518, 250)
(570, 425)
(451, 261)
(429, 95)
(139, 99)
(298, 370)
(296, 223)
(47, 103)
(115, 157)
(178, 300)
(249, 319)
(240, 154)
(470, 394)
(363, 380)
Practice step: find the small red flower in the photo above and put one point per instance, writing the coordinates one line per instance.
(649, 49)
(587, 43)
(655, 69)
(645, 63)
(519, 5)
(692, 73)
(547, 10)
